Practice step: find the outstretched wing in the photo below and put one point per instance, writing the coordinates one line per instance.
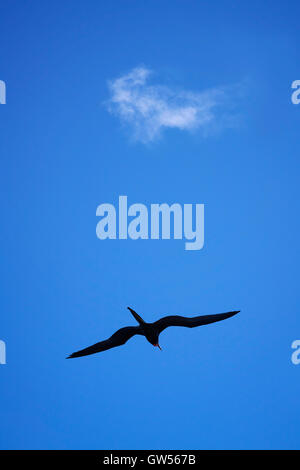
(191, 322)
(117, 339)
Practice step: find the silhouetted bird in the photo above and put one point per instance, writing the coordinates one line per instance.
(150, 330)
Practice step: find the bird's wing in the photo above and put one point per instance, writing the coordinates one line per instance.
(191, 322)
(117, 339)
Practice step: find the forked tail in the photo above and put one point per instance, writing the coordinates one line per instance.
(136, 316)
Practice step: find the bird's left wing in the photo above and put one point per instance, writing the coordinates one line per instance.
(117, 339)
(191, 322)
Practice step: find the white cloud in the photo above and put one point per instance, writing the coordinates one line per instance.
(148, 109)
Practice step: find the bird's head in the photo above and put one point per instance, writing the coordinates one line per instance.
(152, 337)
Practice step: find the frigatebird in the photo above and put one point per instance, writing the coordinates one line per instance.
(150, 330)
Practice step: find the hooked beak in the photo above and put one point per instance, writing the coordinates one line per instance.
(158, 346)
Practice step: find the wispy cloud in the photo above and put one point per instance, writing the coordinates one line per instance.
(149, 109)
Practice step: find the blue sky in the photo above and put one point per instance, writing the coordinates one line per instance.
(227, 385)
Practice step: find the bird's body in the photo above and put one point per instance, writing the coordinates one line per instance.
(150, 330)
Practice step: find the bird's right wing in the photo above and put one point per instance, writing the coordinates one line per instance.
(191, 322)
(117, 339)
